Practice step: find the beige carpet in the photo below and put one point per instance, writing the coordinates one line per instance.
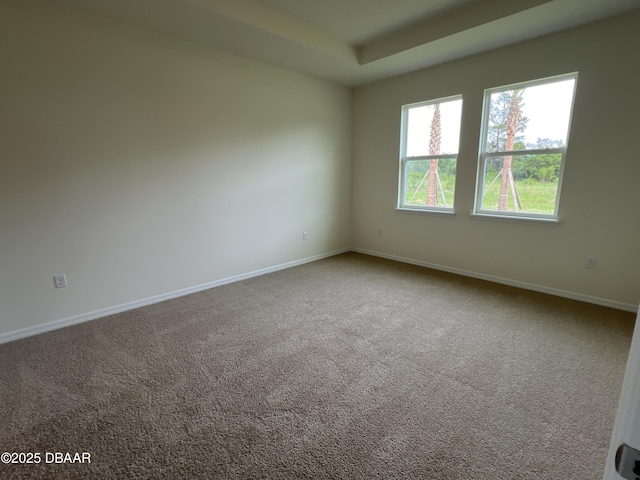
(349, 367)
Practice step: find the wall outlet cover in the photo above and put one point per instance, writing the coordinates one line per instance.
(60, 281)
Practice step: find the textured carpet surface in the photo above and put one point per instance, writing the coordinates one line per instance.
(349, 367)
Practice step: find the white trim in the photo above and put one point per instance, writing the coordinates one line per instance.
(549, 222)
(440, 211)
(431, 157)
(483, 153)
(527, 151)
(103, 312)
(424, 103)
(628, 307)
(625, 428)
(85, 317)
(404, 138)
(534, 83)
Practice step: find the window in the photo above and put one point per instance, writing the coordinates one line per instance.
(428, 153)
(525, 130)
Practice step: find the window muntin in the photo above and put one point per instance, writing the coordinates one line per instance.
(523, 147)
(428, 154)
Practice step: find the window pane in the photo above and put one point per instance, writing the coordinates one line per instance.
(521, 183)
(430, 182)
(433, 129)
(530, 117)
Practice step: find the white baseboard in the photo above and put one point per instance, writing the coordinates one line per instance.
(85, 317)
(628, 307)
(103, 312)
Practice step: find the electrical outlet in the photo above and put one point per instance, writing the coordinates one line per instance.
(305, 236)
(590, 263)
(379, 232)
(60, 281)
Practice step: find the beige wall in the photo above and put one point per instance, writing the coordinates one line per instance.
(138, 164)
(600, 204)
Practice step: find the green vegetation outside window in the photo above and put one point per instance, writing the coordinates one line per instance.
(428, 154)
(524, 140)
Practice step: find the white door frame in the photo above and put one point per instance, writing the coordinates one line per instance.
(627, 425)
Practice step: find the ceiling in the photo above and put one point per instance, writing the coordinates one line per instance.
(353, 42)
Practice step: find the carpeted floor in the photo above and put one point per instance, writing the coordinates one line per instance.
(349, 367)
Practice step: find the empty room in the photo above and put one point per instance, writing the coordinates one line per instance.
(318, 239)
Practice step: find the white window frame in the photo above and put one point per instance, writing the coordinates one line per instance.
(484, 155)
(404, 159)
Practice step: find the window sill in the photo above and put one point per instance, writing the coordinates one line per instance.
(548, 222)
(420, 211)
